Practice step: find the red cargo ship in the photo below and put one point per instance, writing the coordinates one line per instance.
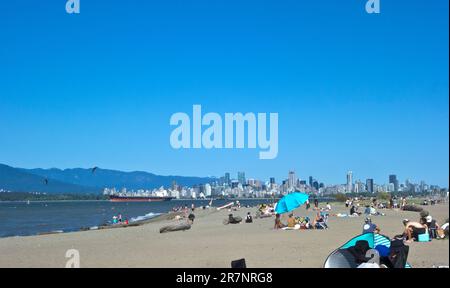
(116, 198)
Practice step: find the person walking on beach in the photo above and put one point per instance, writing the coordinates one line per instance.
(316, 204)
(278, 223)
(308, 205)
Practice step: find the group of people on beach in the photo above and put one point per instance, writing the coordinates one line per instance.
(426, 229)
(302, 223)
(117, 219)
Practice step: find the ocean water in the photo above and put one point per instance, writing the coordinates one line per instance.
(22, 219)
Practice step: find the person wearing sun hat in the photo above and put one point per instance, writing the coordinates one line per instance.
(432, 227)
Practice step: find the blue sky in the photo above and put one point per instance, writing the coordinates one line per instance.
(360, 92)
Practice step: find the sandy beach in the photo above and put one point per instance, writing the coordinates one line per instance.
(212, 244)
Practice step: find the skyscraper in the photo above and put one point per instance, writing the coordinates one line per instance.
(393, 180)
(227, 179)
(272, 180)
(316, 185)
(208, 190)
(349, 182)
(241, 177)
(310, 182)
(292, 180)
(369, 185)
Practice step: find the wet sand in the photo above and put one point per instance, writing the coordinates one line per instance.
(210, 243)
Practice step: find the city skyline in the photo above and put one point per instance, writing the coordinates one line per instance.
(292, 177)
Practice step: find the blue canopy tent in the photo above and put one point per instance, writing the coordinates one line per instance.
(342, 258)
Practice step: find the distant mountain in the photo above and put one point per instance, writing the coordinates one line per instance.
(112, 178)
(85, 180)
(19, 180)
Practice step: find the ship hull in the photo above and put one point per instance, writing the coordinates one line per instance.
(139, 199)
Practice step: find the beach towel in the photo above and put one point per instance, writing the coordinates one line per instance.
(296, 227)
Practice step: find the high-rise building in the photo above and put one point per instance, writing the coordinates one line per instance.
(208, 190)
(241, 177)
(369, 185)
(393, 180)
(315, 185)
(349, 182)
(292, 180)
(227, 179)
(272, 180)
(310, 182)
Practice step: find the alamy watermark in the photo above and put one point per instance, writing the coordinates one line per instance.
(74, 258)
(258, 134)
(73, 6)
(373, 6)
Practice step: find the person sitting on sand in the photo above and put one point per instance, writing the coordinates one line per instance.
(278, 223)
(354, 211)
(249, 218)
(433, 227)
(191, 218)
(307, 223)
(370, 227)
(328, 207)
(413, 230)
(291, 221)
(320, 222)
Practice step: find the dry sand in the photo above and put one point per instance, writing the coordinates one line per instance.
(211, 244)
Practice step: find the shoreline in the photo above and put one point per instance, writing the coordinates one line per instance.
(159, 216)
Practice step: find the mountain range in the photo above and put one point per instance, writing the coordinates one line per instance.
(79, 180)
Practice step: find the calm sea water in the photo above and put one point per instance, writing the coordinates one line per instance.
(22, 219)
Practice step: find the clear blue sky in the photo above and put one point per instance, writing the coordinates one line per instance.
(360, 92)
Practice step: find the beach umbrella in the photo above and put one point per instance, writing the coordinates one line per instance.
(291, 202)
